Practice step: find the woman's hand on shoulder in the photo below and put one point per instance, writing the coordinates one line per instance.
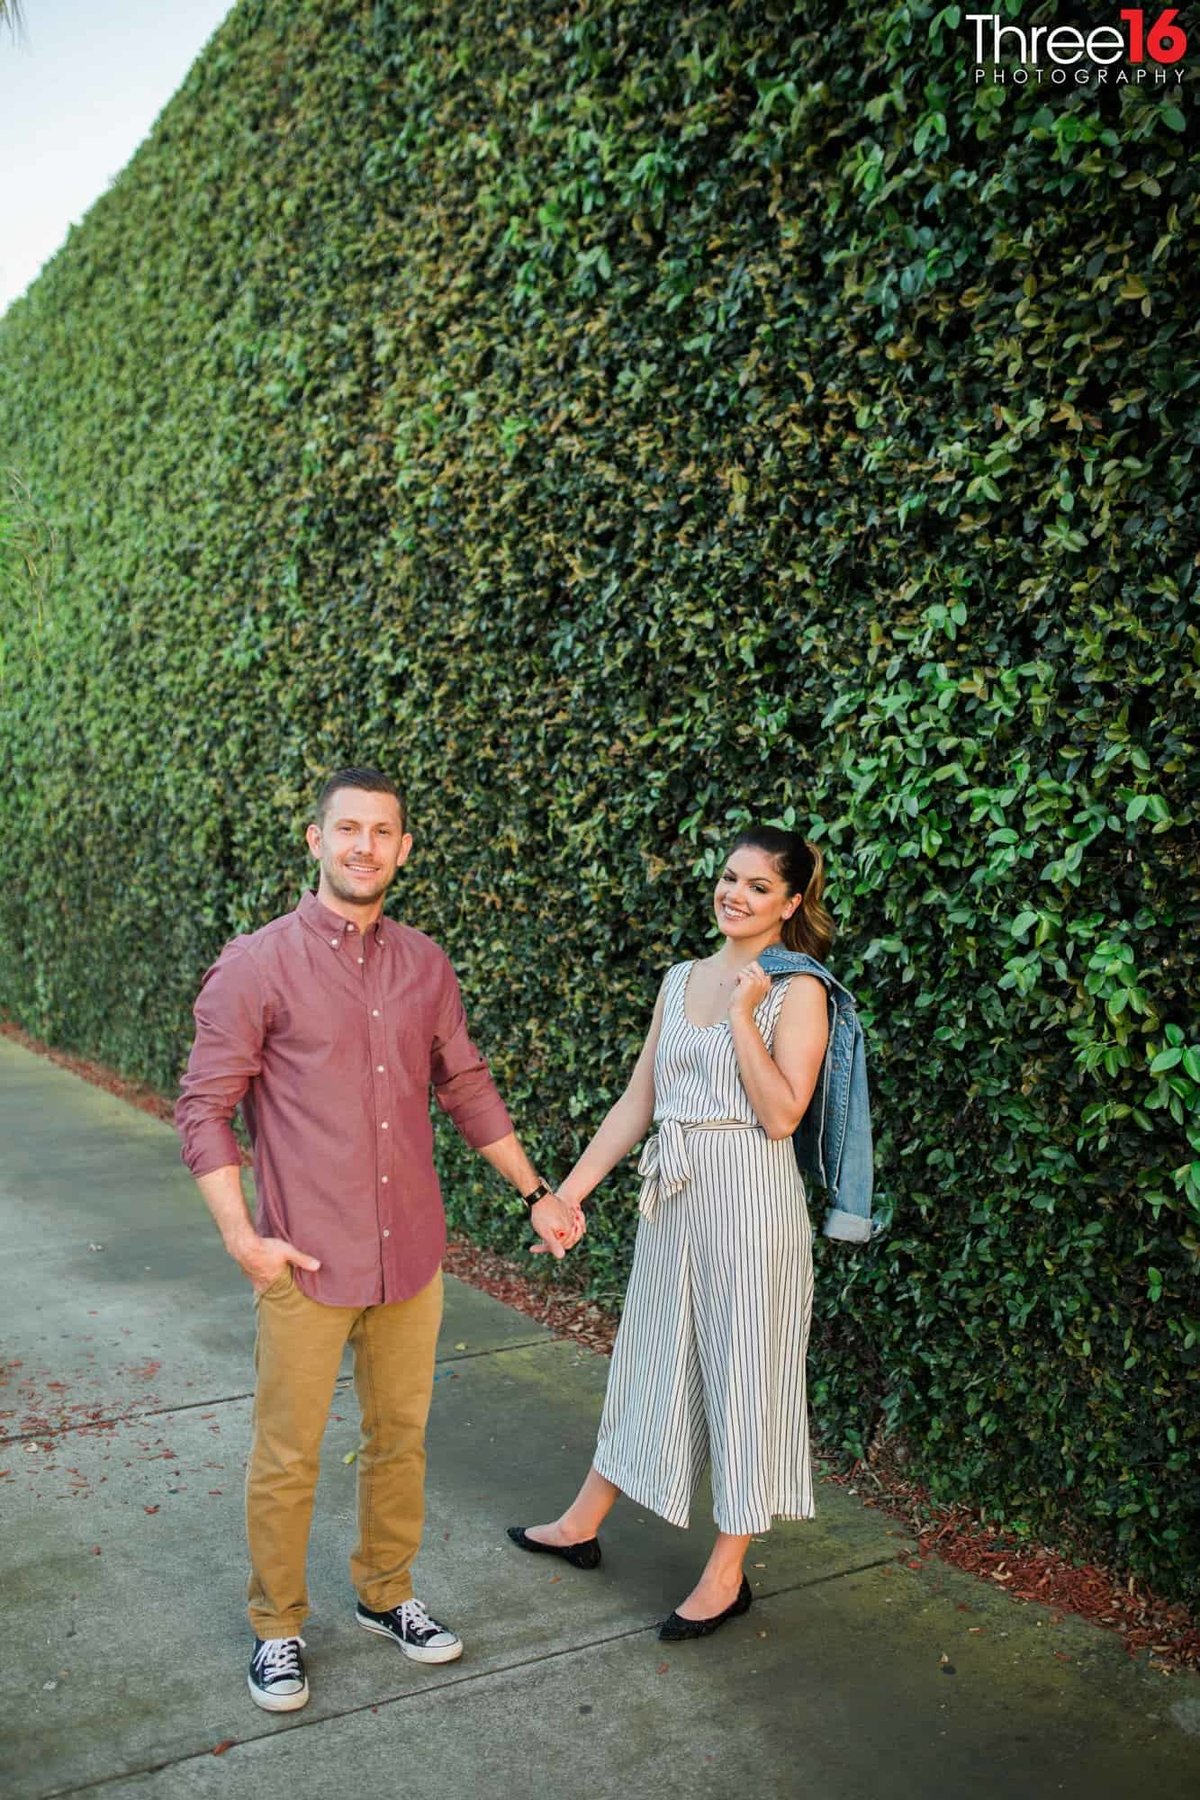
(750, 989)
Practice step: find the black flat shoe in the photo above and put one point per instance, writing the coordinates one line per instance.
(675, 1629)
(580, 1556)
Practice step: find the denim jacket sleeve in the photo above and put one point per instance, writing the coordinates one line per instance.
(833, 1139)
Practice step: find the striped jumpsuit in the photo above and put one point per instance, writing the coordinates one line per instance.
(709, 1358)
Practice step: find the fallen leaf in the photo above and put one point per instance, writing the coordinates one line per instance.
(663, 1667)
(150, 1509)
(224, 1745)
(460, 1346)
(350, 1456)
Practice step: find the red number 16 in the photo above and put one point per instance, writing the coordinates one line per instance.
(1167, 41)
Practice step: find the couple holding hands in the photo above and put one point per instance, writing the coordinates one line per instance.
(329, 1026)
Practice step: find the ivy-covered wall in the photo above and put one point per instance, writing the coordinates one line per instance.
(622, 420)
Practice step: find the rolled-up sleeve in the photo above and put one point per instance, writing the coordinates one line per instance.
(226, 1055)
(462, 1082)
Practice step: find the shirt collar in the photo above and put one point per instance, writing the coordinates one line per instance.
(330, 925)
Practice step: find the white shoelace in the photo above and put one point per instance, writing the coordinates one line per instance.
(414, 1618)
(278, 1659)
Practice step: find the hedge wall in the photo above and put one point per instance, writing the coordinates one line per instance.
(623, 421)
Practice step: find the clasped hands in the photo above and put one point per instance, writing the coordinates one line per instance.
(559, 1224)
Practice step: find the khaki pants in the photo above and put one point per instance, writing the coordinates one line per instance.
(296, 1357)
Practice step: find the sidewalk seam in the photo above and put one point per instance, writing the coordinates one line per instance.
(162, 1412)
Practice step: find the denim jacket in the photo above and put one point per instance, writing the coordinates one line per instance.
(833, 1139)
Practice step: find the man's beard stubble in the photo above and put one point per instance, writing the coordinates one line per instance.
(356, 896)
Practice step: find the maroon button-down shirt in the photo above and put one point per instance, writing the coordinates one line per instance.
(329, 1039)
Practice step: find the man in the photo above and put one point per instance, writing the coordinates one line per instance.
(328, 1027)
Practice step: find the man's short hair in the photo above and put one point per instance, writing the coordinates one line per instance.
(371, 781)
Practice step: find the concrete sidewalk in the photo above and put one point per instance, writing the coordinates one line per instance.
(127, 1342)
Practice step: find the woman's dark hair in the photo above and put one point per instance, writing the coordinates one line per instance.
(801, 866)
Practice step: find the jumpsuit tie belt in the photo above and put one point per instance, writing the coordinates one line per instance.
(664, 1166)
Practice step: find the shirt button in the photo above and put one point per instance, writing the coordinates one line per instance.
(362, 959)
(374, 1012)
(387, 1233)
(379, 1069)
(383, 1178)
(383, 1127)
(334, 942)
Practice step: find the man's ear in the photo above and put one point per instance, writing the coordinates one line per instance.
(312, 838)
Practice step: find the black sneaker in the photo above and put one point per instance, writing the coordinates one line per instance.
(277, 1679)
(410, 1626)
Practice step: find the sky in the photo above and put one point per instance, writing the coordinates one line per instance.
(80, 86)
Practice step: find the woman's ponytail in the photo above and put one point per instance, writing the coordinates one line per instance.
(810, 929)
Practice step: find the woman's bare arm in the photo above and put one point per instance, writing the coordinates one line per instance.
(625, 1124)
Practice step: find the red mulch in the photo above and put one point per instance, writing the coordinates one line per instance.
(1025, 1571)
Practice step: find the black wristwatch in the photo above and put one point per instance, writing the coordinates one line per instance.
(539, 1193)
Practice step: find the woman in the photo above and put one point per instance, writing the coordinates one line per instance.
(709, 1359)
